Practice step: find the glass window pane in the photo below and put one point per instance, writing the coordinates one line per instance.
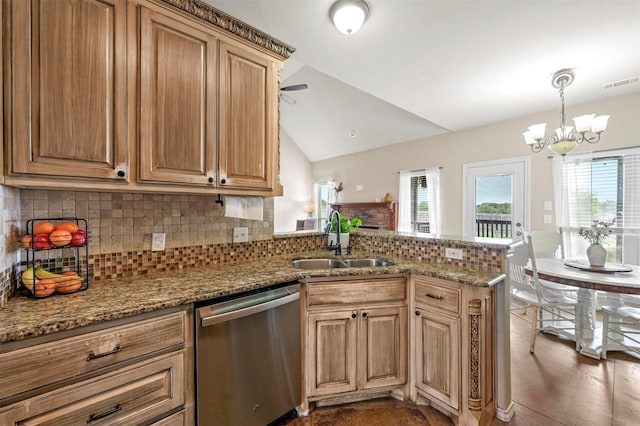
(494, 200)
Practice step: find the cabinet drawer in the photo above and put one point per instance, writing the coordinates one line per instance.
(356, 291)
(35, 366)
(438, 296)
(132, 395)
(176, 419)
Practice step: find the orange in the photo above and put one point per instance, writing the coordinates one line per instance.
(43, 228)
(60, 237)
(69, 286)
(72, 227)
(45, 288)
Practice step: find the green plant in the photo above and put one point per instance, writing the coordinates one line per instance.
(346, 225)
(600, 230)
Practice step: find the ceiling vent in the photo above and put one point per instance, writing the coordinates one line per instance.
(619, 83)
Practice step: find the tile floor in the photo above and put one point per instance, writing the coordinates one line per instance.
(555, 386)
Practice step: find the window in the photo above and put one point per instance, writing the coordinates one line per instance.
(419, 201)
(325, 195)
(600, 186)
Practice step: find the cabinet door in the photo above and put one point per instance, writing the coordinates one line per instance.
(68, 88)
(177, 98)
(382, 348)
(331, 360)
(248, 118)
(437, 356)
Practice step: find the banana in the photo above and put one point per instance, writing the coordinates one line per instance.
(29, 278)
(43, 274)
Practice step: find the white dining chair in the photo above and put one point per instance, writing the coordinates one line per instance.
(549, 306)
(549, 245)
(621, 325)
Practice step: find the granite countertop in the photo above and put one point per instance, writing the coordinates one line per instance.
(106, 300)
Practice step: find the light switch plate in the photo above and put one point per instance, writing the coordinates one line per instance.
(547, 218)
(157, 241)
(240, 235)
(547, 205)
(453, 253)
(359, 187)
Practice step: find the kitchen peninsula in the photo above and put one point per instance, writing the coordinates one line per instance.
(418, 259)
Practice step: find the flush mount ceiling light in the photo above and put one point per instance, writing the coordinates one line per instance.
(566, 138)
(349, 15)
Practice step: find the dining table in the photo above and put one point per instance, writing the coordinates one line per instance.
(613, 280)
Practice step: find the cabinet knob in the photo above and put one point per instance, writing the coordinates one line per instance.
(418, 313)
(121, 173)
(364, 315)
(210, 180)
(353, 315)
(223, 181)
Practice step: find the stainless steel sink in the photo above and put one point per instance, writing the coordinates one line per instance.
(335, 263)
(318, 264)
(365, 263)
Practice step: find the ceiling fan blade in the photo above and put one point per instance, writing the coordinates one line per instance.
(295, 87)
(287, 99)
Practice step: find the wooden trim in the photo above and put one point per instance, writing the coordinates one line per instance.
(232, 25)
(390, 206)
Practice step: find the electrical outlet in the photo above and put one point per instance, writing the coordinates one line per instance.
(240, 235)
(453, 253)
(157, 241)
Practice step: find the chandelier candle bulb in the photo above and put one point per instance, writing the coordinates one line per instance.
(583, 122)
(599, 123)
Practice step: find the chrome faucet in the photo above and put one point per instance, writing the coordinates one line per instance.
(336, 246)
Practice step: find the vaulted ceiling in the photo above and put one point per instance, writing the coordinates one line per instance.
(419, 68)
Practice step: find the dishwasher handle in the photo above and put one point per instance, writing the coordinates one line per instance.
(250, 310)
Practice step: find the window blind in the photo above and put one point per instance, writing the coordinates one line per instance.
(600, 186)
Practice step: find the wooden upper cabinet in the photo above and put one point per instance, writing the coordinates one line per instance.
(177, 98)
(66, 88)
(248, 137)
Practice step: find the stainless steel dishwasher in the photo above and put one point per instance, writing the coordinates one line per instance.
(248, 358)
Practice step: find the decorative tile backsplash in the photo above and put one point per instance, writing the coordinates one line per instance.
(476, 257)
(121, 222)
(197, 234)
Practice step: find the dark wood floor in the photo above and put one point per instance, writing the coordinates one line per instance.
(555, 386)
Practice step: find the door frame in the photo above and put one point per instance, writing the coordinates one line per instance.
(507, 165)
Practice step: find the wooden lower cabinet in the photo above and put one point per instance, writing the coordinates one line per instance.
(137, 371)
(358, 347)
(437, 365)
(453, 339)
(129, 396)
(382, 339)
(331, 359)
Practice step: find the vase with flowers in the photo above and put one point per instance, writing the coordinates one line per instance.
(600, 230)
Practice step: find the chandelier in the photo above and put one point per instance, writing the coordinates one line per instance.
(588, 127)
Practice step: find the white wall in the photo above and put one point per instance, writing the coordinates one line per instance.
(377, 170)
(296, 178)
